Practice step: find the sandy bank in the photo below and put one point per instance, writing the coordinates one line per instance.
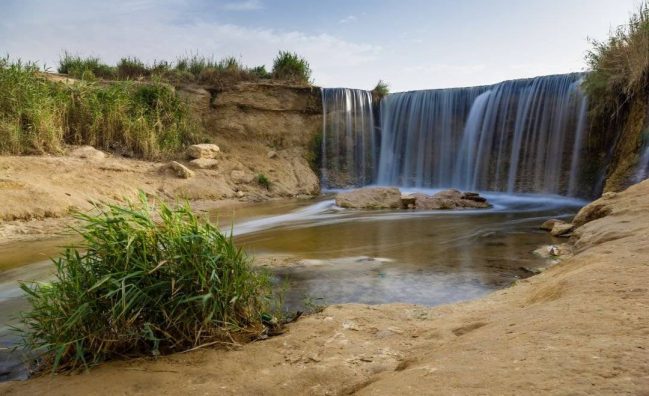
(581, 327)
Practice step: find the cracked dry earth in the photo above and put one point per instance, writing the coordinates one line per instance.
(580, 328)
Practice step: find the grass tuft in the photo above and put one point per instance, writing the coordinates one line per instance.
(291, 67)
(263, 181)
(381, 90)
(144, 281)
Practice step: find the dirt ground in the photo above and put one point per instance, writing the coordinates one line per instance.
(580, 328)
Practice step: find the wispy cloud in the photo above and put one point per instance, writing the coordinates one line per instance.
(348, 19)
(247, 5)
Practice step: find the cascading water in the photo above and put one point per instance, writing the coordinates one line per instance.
(515, 136)
(350, 141)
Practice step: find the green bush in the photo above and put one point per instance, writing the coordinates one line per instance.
(619, 66)
(290, 66)
(263, 181)
(85, 68)
(37, 115)
(260, 72)
(132, 68)
(381, 90)
(144, 282)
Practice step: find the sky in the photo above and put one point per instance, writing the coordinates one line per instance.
(411, 44)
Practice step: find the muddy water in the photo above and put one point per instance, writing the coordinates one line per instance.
(332, 255)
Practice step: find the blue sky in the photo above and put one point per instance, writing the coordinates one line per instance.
(411, 44)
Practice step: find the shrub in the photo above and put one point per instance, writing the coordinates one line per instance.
(291, 67)
(263, 181)
(37, 116)
(619, 66)
(381, 90)
(132, 68)
(260, 72)
(141, 286)
(85, 68)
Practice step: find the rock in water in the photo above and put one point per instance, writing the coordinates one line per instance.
(370, 198)
(408, 202)
(450, 199)
(562, 229)
(205, 150)
(549, 224)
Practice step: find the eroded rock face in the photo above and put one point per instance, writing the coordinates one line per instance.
(370, 198)
(561, 228)
(205, 150)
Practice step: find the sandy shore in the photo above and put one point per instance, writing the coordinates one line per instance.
(582, 327)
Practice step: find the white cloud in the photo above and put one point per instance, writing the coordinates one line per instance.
(248, 5)
(348, 19)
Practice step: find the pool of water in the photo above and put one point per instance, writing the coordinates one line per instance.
(339, 256)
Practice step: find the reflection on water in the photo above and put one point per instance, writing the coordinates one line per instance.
(371, 257)
(427, 258)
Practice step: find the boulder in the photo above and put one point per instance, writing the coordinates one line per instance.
(450, 199)
(370, 198)
(88, 152)
(204, 150)
(179, 169)
(562, 229)
(241, 177)
(204, 163)
(549, 224)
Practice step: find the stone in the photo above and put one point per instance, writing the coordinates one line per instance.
(562, 229)
(450, 199)
(88, 152)
(591, 212)
(272, 154)
(370, 198)
(204, 150)
(240, 194)
(241, 177)
(549, 224)
(204, 163)
(553, 251)
(408, 202)
(179, 169)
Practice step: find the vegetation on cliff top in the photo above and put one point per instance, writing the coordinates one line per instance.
(619, 66)
(194, 68)
(38, 116)
(144, 281)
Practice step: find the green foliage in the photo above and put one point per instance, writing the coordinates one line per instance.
(619, 66)
(132, 68)
(290, 66)
(261, 72)
(263, 181)
(381, 90)
(144, 281)
(87, 68)
(38, 115)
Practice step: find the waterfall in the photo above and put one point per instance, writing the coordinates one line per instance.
(349, 138)
(515, 136)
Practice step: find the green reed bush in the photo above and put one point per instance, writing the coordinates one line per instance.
(130, 68)
(148, 120)
(87, 68)
(291, 67)
(619, 66)
(381, 89)
(144, 281)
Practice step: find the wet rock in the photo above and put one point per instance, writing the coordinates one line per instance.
(370, 198)
(450, 199)
(549, 224)
(408, 202)
(204, 163)
(88, 152)
(179, 169)
(204, 150)
(562, 229)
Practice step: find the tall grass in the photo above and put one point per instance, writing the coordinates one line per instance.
(87, 68)
(147, 120)
(291, 67)
(381, 90)
(144, 282)
(619, 66)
